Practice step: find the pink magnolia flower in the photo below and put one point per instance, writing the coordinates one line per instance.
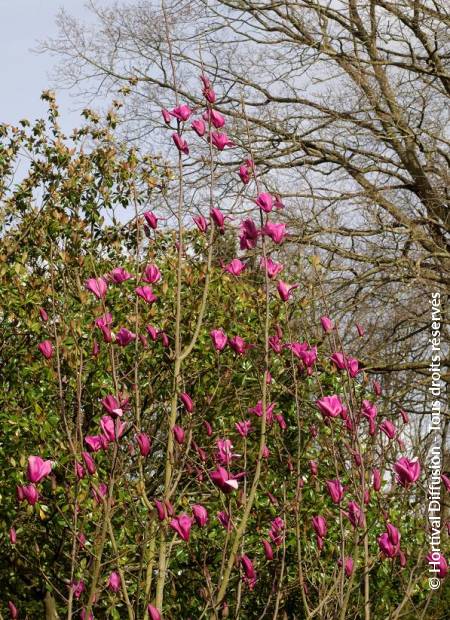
(111, 428)
(218, 218)
(181, 112)
(119, 275)
(124, 337)
(43, 314)
(277, 232)
(96, 442)
(146, 293)
(235, 267)
(327, 324)
(387, 546)
(336, 490)
(224, 454)
(320, 526)
(268, 551)
(446, 480)
(439, 564)
(276, 344)
(220, 140)
(219, 339)
(78, 588)
(89, 463)
(243, 428)
(258, 410)
(405, 417)
(369, 410)
(84, 617)
(114, 406)
(214, 117)
(201, 223)
(276, 531)
(407, 471)
(360, 329)
(99, 493)
(151, 219)
(46, 348)
(330, 406)
(182, 526)
(272, 268)
(38, 469)
(160, 509)
(352, 366)
(144, 443)
(354, 514)
(114, 582)
(200, 514)
(249, 571)
(97, 286)
(12, 536)
(151, 274)
(265, 202)
(152, 332)
(179, 434)
(376, 474)
(225, 520)
(348, 565)
(180, 143)
(199, 127)
(28, 494)
(13, 613)
(313, 467)
(239, 345)
(153, 613)
(166, 116)
(248, 235)
(208, 428)
(377, 388)
(285, 290)
(187, 402)
(388, 429)
(245, 174)
(225, 481)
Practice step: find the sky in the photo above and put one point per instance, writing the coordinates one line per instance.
(24, 74)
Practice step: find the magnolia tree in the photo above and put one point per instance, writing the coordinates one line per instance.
(181, 440)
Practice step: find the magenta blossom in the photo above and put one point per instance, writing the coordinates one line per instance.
(146, 293)
(327, 324)
(46, 348)
(12, 536)
(265, 202)
(245, 174)
(272, 268)
(38, 469)
(187, 402)
(13, 613)
(166, 116)
(97, 286)
(225, 481)
(151, 219)
(119, 275)
(100, 492)
(235, 267)
(78, 588)
(329, 406)
(277, 232)
(199, 127)
(224, 454)
(220, 140)
(388, 429)
(219, 339)
(439, 564)
(446, 480)
(181, 112)
(200, 514)
(89, 463)
(182, 526)
(111, 428)
(114, 406)
(124, 337)
(336, 490)
(405, 417)
(243, 428)
(268, 551)
(180, 143)
(179, 434)
(28, 494)
(153, 613)
(43, 314)
(354, 514)
(348, 565)
(114, 582)
(249, 571)
(407, 471)
(249, 235)
(258, 410)
(216, 118)
(144, 443)
(376, 474)
(276, 531)
(320, 526)
(360, 329)
(285, 290)
(225, 520)
(218, 218)
(201, 223)
(96, 442)
(239, 345)
(151, 274)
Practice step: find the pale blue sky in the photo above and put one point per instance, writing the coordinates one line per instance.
(24, 74)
